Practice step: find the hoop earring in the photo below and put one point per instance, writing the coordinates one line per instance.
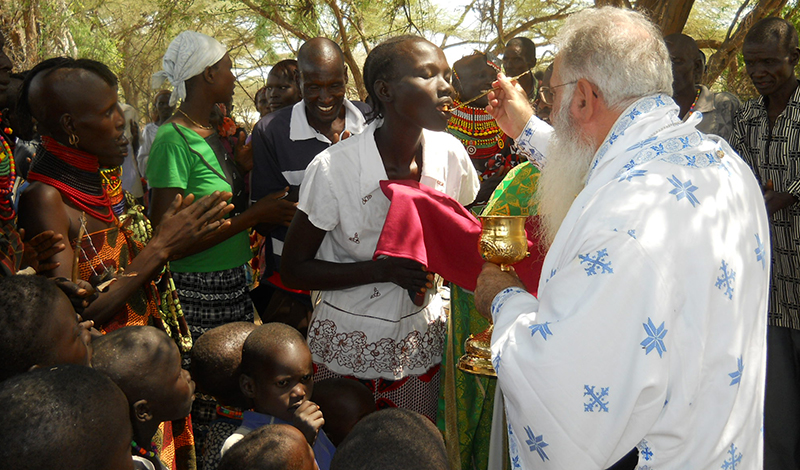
(73, 140)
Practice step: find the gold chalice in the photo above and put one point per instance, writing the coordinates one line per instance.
(503, 242)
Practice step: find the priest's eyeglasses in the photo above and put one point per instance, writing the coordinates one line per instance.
(546, 92)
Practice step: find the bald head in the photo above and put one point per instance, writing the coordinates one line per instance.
(319, 50)
(768, 30)
(682, 41)
(271, 447)
(265, 342)
(56, 87)
(64, 417)
(217, 362)
(129, 355)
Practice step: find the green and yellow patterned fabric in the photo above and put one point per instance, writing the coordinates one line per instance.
(466, 401)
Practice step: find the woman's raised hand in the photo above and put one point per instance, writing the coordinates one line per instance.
(187, 221)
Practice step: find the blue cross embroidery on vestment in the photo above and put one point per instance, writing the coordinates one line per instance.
(732, 462)
(726, 279)
(630, 174)
(632, 233)
(496, 363)
(536, 443)
(512, 448)
(645, 451)
(542, 328)
(595, 400)
(760, 254)
(552, 273)
(736, 376)
(655, 338)
(684, 190)
(598, 262)
(659, 149)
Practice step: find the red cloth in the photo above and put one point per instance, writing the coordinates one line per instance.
(432, 228)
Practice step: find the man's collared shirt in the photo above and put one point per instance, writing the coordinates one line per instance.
(284, 143)
(774, 154)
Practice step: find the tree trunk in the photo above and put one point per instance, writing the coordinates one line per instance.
(669, 15)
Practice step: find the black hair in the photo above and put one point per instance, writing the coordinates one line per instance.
(380, 65)
(392, 439)
(773, 28)
(62, 417)
(217, 362)
(528, 48)
(127, 356)
(261, 90)
(26, 115)
(158, 94)
(26, 308)
(286, 68)
(267, 448)
(261, 345)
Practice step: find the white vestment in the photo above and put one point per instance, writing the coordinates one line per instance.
(650, 326)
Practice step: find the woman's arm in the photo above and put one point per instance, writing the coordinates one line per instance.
(270, 209)
(300, 269)
(42, 209)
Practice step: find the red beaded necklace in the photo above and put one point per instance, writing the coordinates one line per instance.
(76, 174)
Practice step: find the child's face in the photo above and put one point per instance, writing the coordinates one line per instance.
(285, 384)
(173, 387)
(71, 340)
(423, 87)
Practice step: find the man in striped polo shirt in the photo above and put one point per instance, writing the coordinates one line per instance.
(767, 136)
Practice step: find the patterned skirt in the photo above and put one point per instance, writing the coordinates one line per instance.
(214, 298)
(210, 300)
(418, 393)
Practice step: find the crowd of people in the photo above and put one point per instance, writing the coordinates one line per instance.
(193, 297)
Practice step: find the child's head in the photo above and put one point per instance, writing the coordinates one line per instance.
(277, 371)
(217, 362)
(65, 417)
(392, 439)
(409, 75)
(146, 364)
(38, 326)
(344, 402)
(271, 447)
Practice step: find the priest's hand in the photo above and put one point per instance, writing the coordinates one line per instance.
(509, 106)
(491, 282)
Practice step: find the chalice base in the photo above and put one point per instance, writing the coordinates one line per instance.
(478, 357)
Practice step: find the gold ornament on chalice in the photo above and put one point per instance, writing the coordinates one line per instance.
(502, 242)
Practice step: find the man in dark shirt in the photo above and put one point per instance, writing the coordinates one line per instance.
(767, 136)
(285, 142)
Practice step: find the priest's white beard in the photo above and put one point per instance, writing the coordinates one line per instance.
(564, 174)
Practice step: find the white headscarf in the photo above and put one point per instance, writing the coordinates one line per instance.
(188, 55)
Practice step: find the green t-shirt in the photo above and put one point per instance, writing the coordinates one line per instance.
(173, 165)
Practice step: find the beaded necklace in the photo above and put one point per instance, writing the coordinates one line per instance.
(76, 174)
(696, 97)
(477, 130)
(228, 413)
(112, 184)
(150, 454)
(8, 176)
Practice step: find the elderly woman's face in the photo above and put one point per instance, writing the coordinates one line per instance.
(98, 122)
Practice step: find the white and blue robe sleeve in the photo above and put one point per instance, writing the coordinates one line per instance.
(574, 398)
